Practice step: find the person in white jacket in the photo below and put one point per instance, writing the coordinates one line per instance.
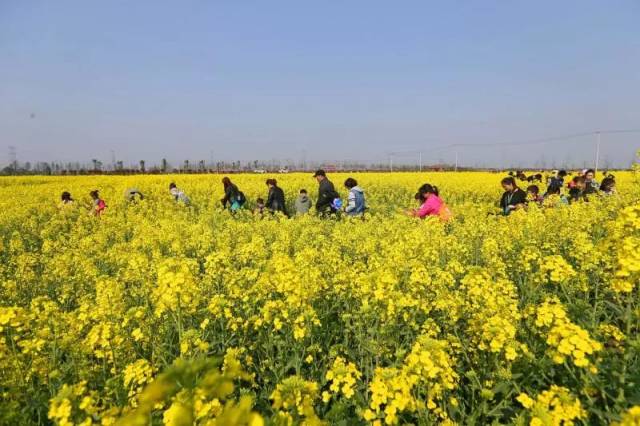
(178, 195)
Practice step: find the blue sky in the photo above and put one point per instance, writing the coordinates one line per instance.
(330, 80)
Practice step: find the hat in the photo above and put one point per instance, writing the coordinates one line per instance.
(319, 172)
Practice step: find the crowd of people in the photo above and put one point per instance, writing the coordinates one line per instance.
(579, 188)
(329, 201)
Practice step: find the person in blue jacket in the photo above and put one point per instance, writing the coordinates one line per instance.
(356, 201)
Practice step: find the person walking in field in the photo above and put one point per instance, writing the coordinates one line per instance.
(178, 195)
(133, 194)
(275, 200)
(232, 196)
(355, 200)
(513, 197)
(303, 203)
(65, 199)
(326, 194)
(432, 204)
(98, 205)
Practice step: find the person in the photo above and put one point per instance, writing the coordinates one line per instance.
(589, 178)
(232, 196)
(580, 189)
(98, 203)
(178, 195)
(533, 194)
(554, 198)
(327, 194)
(303, 203)
(608, 185)
(557, 180)
(275, 200)
(432, 204)
(259, 207)
(133, 194)
(65, 199)
(513, 198)
(355, 200)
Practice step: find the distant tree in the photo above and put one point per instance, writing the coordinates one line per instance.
(186, 165)
(142, 168)
(119, 166)
(95, 163)
(164, 165)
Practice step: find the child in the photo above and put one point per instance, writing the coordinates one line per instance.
(260, 206)
(98, 203)
(533, 194)
(178, 195)
(303, 203)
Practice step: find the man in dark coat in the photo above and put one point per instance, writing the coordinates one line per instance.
(326, 193)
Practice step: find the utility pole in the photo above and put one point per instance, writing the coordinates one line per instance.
(456, 164)
(420, 159)
(13, 159)
(597, 151)
(390, 162)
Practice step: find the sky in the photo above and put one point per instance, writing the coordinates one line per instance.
(323, 81)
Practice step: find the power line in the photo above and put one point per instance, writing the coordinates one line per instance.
(549, 139)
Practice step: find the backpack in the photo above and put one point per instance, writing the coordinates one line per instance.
(241, 198)
(445, 213)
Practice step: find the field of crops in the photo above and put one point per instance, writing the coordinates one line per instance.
(159, 313)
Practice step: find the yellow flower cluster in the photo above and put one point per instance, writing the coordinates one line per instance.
(559, 270)
(566, 339)
(427, 374)
(630, 418)
(343, 376)
(294, 398)
(553, 407)
(628, 233)
(136, 376)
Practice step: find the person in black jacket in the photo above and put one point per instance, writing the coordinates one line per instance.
(232, 195)
(326, 193)
(513, 198)
(275, 200)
